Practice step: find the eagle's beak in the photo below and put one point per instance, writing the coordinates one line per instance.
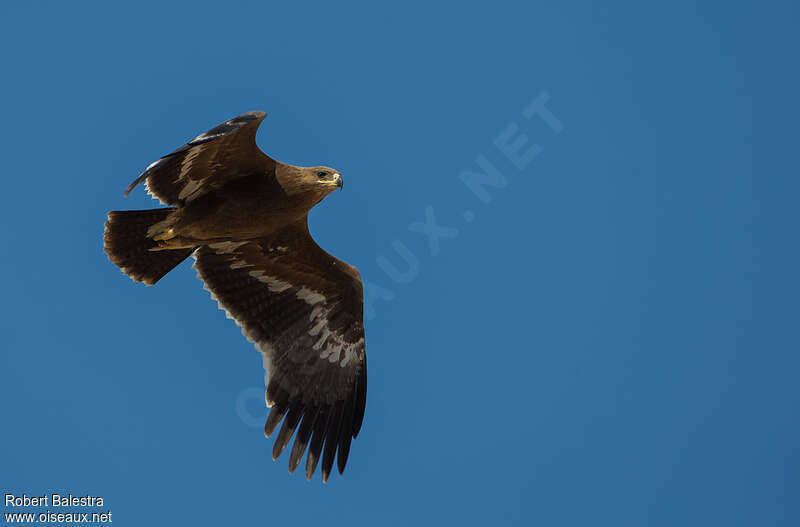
(338, 181)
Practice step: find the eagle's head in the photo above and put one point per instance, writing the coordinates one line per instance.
(325, 178)
(309, 185)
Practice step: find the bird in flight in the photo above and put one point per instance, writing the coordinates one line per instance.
(243, 216)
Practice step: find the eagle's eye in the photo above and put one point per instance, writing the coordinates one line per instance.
(321, 174)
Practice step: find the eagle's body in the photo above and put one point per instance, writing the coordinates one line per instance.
(248, 207)
(243, 216)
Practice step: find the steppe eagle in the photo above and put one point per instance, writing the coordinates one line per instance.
(243, 216)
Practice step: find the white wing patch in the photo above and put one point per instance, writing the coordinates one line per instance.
(205, 137)
(147, 188)
(275, 285)
(192, 186)
(150, 192)
(330, 345)
(226, 247)
(310, 297)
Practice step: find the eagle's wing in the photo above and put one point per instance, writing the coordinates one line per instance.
(303, 309)
(207, 162)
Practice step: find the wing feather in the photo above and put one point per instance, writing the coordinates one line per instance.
(303, 435)
(331, 440)
(303, 309)
(209, 161)
(276, 413)
(345, 434)
(317, 440)
(287, 430)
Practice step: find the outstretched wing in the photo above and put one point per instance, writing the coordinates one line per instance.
(303, 309)
(207, 162)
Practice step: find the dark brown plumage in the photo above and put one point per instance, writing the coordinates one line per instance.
(243, 216)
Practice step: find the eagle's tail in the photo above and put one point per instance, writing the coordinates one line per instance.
(127, 245)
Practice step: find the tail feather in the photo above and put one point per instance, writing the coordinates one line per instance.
(127, 245)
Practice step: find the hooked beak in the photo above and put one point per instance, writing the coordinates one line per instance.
(338, 181)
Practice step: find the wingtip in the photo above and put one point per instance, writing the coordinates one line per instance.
(311, 465)
(255, 115)
(138, 180)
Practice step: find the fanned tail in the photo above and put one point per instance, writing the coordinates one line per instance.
(127, 245)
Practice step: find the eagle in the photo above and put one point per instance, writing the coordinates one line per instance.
(243, 216)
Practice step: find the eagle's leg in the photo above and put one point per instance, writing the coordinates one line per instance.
(166, 235)
(174, 242)
(167, 240)
(183, 242)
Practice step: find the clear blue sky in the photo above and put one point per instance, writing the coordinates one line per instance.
(606, 342)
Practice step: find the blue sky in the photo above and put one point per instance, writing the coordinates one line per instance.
(606, 341)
